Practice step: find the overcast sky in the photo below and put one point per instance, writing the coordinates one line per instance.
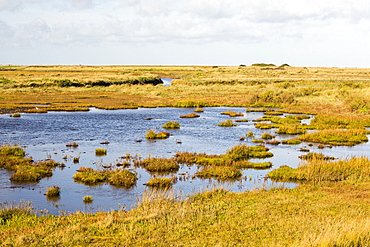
(330, 33)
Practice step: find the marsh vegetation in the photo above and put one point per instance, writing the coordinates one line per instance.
(322, 108)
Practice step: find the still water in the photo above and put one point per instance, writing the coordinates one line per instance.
(46, 135)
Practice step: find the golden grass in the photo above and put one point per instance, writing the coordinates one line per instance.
(313, 90)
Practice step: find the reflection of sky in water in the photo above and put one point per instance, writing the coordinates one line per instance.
(45, 135)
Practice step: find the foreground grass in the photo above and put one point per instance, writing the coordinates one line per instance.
(305, 216)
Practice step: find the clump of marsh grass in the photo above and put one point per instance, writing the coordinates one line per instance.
(72, 144)
(293, 141)
(16, 115)
(154, 164)
(267, 136)
(171, 125)
(258, 141)
(116, 177)
(199, 110)
(12, 151)
(100, 152)
(190, 115)
(152, 135)
(122, 178)
(232, 114)
(220, 172)
(242, 152)
(290, 130)
(53, 191)
(227, 123)
(87, 199)
(315, 156)
(159, 182)
(87, 175)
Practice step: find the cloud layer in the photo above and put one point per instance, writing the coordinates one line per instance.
(75, 23)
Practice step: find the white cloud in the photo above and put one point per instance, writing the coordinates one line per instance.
(78, 23)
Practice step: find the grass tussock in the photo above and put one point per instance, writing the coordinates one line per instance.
(190, 115)
(53, 191)
(227, 123)
(171, 125)
(116, 177)
(220, 172)
(159, 183)
(153, 164)
(100, 152)
(233, 114)
(87, 199)
(152, 135)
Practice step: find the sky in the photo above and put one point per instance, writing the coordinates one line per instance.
(314, 33)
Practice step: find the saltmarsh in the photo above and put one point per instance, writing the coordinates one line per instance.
(331, 210)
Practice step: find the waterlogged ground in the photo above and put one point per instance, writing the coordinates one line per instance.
(46, 135)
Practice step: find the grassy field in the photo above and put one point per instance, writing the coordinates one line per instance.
(331, 206)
